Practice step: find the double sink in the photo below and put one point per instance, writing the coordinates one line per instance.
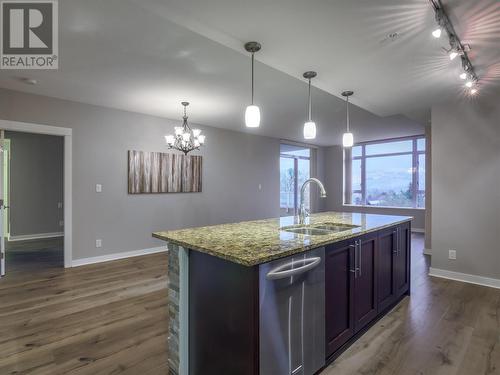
(319, 229)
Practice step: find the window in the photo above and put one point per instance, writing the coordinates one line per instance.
(294, 171)
(387, 173)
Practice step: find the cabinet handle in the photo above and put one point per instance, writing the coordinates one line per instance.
(399, 241)
(395, 245)
(359, 261)
(287, 270)
(355, 269)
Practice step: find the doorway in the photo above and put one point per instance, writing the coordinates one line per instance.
(295, 169)
(33, 200)
(36, 205)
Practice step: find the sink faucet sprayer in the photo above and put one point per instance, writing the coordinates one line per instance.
(303, 213)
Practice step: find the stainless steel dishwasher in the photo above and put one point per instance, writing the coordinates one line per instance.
(292, 314)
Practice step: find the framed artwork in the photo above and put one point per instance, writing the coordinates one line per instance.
(158, 172)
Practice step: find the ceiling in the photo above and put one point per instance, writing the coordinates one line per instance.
(147, 56)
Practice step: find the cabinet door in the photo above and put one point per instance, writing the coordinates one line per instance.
(339, 283)
(386, 254)
(402, 260)
(365, 282)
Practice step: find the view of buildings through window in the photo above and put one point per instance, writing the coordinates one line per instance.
(294, 171)
(387, 173)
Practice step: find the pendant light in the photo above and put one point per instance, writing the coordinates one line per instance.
(252, 113)
(309, 125)
(347, 138)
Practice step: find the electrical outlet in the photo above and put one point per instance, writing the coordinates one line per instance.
(98, 188)
(452, 254)
(59, 205)
(260, 187)
(61, 223)
(98, 243)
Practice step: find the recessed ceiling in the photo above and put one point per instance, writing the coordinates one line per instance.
(147, 56)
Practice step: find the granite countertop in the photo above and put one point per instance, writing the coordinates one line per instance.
(254, 242)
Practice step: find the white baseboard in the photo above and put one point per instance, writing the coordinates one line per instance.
(116, 256)
(464, 277)
(427, 251)
(37, 236)
(418, 230)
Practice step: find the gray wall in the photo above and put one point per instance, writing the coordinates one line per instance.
(466, 186)
(334, 177)
(36, 183)
(234, 165)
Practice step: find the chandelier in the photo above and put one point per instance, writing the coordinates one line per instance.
(185, 139)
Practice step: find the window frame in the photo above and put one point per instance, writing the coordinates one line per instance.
(415, 153)
(296, 175)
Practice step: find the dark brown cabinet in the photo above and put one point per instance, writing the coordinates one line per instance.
(402, 260)
(363, 277)
(351, 289)
(339, 288)
(387, 250)
(365, 282)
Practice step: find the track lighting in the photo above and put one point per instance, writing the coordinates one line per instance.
(252, 113)
(457, 48)
(437, 33)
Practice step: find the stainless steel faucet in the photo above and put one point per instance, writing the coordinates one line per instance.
(303, 213)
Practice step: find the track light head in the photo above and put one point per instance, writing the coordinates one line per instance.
(453, 55)
(437, 33)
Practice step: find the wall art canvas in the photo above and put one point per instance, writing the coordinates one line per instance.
(158, 172)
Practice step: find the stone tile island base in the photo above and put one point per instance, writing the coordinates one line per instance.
(178, 279)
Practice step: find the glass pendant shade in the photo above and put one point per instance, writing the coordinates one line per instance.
(170, 139)
(310, 130)
(347, 140)
(252, 116)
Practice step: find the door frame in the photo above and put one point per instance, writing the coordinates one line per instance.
(6, 188)
(67, 133)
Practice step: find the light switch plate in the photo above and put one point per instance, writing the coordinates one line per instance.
(98, 243)
(452, 254)
(59, 205)
(98, 188)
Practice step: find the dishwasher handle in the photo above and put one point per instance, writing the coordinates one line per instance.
(286, 270)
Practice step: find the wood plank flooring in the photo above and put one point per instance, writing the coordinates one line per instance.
(444, 328)
(111, 318)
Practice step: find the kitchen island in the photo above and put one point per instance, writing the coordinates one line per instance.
(271, 296)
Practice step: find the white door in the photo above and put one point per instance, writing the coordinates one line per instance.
(2, 207)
